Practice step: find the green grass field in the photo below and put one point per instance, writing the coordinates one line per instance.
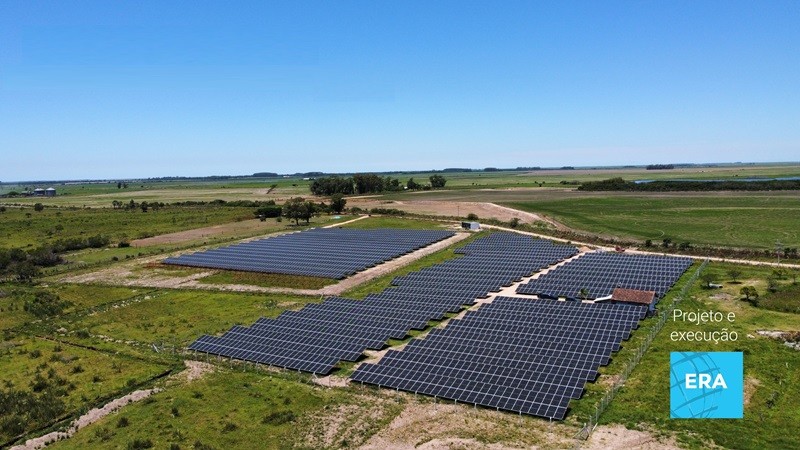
(82, 377)
(743, 221)
(410, 223)
(179, 316)
(772, 378)
(267, 280)
(51, 224)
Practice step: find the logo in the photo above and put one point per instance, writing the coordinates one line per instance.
(706, 385)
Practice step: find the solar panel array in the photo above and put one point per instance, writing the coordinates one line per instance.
(601, 272)
(317, 337)
(526, 356)
(322, 252)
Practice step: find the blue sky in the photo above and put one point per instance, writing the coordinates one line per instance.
(140, 89)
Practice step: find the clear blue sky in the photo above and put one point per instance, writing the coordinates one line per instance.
(136, 89)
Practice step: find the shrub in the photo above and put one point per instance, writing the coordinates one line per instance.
(278, 418)
(123, 422)
(472, 216)
(140, 444)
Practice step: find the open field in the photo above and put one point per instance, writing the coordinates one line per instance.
(237, 406)
(176, 316)
(733, 221)
(68, 379)
(51, 224)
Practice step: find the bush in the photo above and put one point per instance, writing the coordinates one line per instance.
(123, 422)
(124, 244)
(45, 304)
(278, 418)
(229, 427)
(140, 444)
(472, 216)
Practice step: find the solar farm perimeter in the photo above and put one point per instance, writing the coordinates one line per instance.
(529, 350)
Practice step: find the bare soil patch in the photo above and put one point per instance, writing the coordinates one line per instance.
(454, 209)
(617, 437)
(431, 425)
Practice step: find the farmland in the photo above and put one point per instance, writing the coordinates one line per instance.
(111, 338)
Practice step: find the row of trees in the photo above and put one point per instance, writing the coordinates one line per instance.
(619, 184)
(369, 184)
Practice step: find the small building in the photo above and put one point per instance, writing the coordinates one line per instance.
(38, 192)
(636, 297)
(472, 226)
(50, 192)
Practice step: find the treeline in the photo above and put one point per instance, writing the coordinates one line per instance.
(369, 184)
(660, 167)
(618, 184)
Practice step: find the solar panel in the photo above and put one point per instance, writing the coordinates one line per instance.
(319, 335)
(331, 253)
(524, 362)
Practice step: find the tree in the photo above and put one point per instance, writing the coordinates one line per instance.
(297, 209)
(2, 209)
(472, 216)
(144, 206)
(707, 278)
(119, 185)
(412, 185)
(338, 203)
(734, 274)
(38, 207)
(25, 271)
(772, 284)
(514, 222)
(437, 181)
(648, 243)
(666, 243)
(750, 294)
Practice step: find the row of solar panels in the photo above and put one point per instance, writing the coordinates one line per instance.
(330, 253)
(526, 356)
(597, 274)
(317, 337)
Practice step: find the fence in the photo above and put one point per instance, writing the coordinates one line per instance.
(601, 406)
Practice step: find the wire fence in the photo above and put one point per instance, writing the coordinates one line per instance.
(663, 316)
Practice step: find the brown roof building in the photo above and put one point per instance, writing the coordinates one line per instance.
(635, 296)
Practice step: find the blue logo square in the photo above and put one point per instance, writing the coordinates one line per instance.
(706, 385)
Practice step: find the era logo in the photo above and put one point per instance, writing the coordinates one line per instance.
(706, 385)
(703, 381)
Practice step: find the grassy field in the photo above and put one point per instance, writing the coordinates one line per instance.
(268, 280)
(76, 377)
(51, 224)
(744, 221)
(178, 316)
(772, 375)
(396, 222)
(12, 303)
(230, 409)
(101, 194)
